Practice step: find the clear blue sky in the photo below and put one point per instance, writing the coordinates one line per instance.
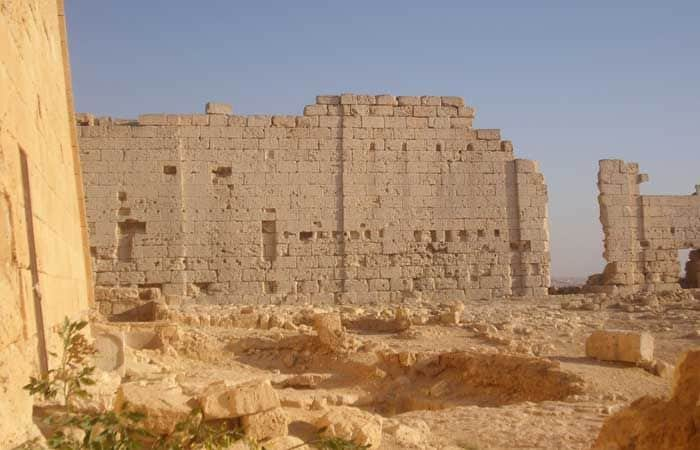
(568, 84)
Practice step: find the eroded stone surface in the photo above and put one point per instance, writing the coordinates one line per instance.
(222, 400)
(353, 424)
(253, 209)
(643, 233)
(651, 423)
(265, 425)
(619, 345)
(163, 404)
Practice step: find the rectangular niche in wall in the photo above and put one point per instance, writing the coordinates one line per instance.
(269, 240)
(221, 174)
(126, 231)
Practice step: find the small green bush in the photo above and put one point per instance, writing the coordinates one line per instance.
(123, 430)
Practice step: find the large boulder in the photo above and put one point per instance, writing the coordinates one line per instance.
(352, 424)
(623, 346)
(164, 405)
(223, 400)
(651, 423)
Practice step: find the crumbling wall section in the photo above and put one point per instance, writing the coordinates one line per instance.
(363, 198)
(643, 233)
(43, 241)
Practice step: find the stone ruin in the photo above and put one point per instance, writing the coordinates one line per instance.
(363, 198)
(644, 233)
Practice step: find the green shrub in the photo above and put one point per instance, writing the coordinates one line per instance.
(123, 430)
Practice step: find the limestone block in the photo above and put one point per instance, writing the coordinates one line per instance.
(218, 108)
(489, 134)
(642, 178)
(460, 122)
(328, 99)
(163, 405)
(466, 111)
(618, 345)
(348, 99)
(352, 424)
(389, 100)
(366, 99)
(265, 425)
(330, 329)
(110, 347)
(525, 166)
(408, 100)
(430, 100)
(425, 111)
(315, 110)
(452, 101)
(222, 400)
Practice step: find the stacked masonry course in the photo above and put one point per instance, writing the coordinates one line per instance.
(643, 233)
(363, 198)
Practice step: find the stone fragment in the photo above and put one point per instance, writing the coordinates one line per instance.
(618, 345)
(306, 380)
(218, 108)
(223, 401)
(110, 349)
(686, 380)
(406, 436)
(402, 318)
(286, 443)
(329, 328)
(164, 405)
(452, 101)
(328, 99)
(352, 424)
(454, 315)
(265, 425)
(101, 395)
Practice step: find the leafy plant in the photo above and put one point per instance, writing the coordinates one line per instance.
(103, 431)
(73, 372)
(123, 430)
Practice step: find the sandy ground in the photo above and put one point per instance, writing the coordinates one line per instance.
(490, 405)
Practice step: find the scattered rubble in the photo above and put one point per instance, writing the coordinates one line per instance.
(421, 370)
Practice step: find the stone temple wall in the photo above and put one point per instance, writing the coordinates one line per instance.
(643, 233)
(363, 198)
(44, 259)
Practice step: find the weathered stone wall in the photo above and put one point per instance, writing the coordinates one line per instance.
(362, 198)
(43, 253)
(643, 233)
